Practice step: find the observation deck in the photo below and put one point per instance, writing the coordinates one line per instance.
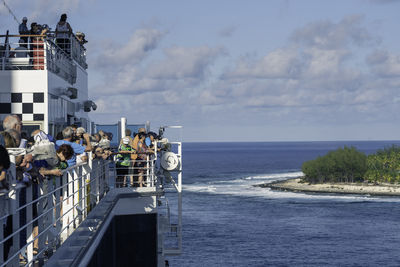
(42, 53)
(87, 217)
(44, 82)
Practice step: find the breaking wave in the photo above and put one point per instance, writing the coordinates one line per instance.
(247, 187)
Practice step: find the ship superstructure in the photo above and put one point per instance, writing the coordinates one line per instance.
(81, 218)
(44, 84)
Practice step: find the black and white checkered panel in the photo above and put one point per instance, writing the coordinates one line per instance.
(28, 106)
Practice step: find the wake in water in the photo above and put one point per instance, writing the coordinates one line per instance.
(247, 187)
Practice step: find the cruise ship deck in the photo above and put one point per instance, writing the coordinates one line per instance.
(84, 218)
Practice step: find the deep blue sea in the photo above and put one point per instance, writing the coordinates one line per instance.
(229, 222)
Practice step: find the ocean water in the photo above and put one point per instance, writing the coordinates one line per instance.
(229, 222)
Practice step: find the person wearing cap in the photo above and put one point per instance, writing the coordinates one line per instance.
(23, 30)
(80, 36)
(128, 134)
(79, 132)
(124, 164)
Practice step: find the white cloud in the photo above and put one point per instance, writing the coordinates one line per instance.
(281, 63)
(329, 35)
(318, 77)
(324, 62)
(384, 64)
(179, 69)
(139, 45)
(185, 62)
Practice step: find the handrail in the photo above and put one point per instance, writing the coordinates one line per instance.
(23, 35)
(43, 53)
(61, 204)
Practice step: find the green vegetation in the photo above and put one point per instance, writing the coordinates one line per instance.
(342, 165)
(384, 166)
(349, 165)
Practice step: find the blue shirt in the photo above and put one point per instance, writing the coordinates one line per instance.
(78, 149)
(23, 29)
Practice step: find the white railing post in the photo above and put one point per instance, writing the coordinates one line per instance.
(50, 211)
(147, 171)
(95, 180)
(58, 207)
(86, 186)
(90, 177)
(5, 206)
(75, 199)
(40, 210)
(82, 192)
(14, 205)
(29, 229)
(180, 167)
(45, 53)
(66, 204)
(99, 179)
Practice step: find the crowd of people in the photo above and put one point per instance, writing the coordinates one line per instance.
(45, 155)
(30, 39)
(133, 158)
(40, 156)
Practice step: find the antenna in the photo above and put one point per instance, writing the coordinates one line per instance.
(10, 11)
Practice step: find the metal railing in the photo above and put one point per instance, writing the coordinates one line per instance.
(43, 52)
(139, 173)
(38, 218)
(171, 211)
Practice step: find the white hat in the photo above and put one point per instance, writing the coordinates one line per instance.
(125, 140)
(80, 130)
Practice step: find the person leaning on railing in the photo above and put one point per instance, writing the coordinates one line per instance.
(124, 163)
(78, 149)
(63, 34)
(141, 162)
(80, 140)
(64, 153)
(100, 153)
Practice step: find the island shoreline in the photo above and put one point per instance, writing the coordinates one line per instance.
(366, 189)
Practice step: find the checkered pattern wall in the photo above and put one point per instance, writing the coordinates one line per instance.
(28, 106)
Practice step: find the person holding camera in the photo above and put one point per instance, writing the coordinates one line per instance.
(68, 134)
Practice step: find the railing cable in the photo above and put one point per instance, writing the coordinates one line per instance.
(10, 11)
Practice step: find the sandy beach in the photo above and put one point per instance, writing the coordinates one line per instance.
(295, 185)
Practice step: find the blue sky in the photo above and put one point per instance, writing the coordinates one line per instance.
(240, 70)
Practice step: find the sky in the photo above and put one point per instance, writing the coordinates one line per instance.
(235, 70)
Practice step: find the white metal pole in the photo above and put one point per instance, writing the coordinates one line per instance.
(180, 167)
(123, 127)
